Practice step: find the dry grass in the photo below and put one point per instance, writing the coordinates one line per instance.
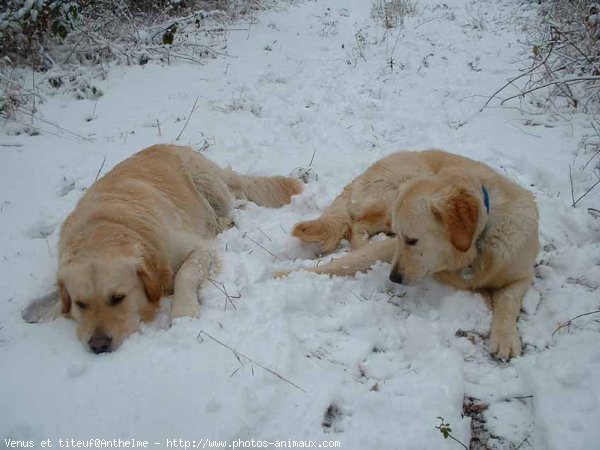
(391, 13)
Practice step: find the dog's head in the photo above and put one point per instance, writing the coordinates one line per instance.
(437, 221)
(108, 294)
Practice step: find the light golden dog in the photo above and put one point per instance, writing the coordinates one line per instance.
(453, 218)
(147, 229)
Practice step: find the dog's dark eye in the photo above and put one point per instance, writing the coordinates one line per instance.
(81, 305)
(410, 241)
(115, 299)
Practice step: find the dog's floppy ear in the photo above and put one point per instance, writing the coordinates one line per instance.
(65, 298)
(459, 215)
(156, 278)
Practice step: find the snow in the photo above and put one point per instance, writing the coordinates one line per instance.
(385, 360)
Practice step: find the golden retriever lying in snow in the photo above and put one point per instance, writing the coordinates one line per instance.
(454, 218)
(144, 230)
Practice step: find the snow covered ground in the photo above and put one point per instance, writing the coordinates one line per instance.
(317, 85)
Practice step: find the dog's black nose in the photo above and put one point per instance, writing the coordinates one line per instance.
(396, 276)
(100, 343)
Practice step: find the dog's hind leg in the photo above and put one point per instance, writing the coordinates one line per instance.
(208, 181)
(193, 272)
(272, 191)
(216, 192)
(219, 185)
(328, 230)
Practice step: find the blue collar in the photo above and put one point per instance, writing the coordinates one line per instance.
(486, 199)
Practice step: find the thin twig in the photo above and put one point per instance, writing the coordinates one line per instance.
(175, 23)
(445, 430)
(516, 78)
(100, 169)
(552, 83)
(265, 234)
(245, 235)
(595, 155)
(38, 130)
(83, 36)
(61, 128)
(33, 87)
(523, 397)
(94, 110)
(188, 119)
(238, 354)
(568, 322)
(8, 80)
(456, 440)
(313, 157)
(523, 441)
(571, 181)
(48, 245)
(586, 193)
(577, 48)
(221, 287)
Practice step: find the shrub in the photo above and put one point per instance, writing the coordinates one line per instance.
(569, 36)
(26, 24)
(392, 12)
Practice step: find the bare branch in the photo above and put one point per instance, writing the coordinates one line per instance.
(566, 80)
(570, 321)
(586, 192)
(188, 119)
(245, 235)
(238, 354)
(517, 78)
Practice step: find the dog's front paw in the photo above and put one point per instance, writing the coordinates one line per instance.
(310, 231)
(184, 307)
(504, 341)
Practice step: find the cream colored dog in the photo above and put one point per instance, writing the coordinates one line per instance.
(147, 229)
(453, 218)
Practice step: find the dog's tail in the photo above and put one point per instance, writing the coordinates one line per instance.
(328, 230)
(273, 191)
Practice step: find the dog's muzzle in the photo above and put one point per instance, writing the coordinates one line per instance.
(396, 276)
(100, 343)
